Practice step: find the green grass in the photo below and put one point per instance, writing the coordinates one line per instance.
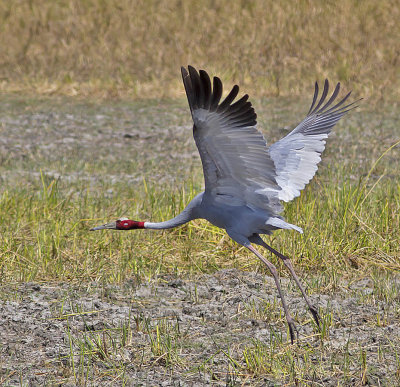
(349, 213)
(44, 234)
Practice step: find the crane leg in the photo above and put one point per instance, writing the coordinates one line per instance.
(274, 272)
(288, 263)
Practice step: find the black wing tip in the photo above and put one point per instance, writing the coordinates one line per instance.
(184, 72)
(320, 108)
(201, 94)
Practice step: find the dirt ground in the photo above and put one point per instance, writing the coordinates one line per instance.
(41, 325)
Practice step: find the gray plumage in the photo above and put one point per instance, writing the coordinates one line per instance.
(297, 155)
(241, 173)
(245, 181)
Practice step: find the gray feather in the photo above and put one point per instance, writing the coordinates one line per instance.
(238, 167)
(297, 155)
(236, 161)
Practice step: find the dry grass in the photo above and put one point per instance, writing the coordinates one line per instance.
(134, 48)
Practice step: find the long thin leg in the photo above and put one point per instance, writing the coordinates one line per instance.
(288, 263)
(274, 272)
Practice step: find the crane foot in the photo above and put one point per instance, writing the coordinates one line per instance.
(294, 333)
(315, 315)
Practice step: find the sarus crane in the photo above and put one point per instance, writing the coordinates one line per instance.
(245, 180)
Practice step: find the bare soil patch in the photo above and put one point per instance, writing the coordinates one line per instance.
(46, 331)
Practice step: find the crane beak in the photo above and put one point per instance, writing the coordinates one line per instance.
(107, 226)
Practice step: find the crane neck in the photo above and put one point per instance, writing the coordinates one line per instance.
(188, 214)
(180, 219)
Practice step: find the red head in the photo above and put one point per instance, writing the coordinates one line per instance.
(120, 224)
(128, 224)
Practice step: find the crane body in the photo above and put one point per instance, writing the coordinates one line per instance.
(245, 181)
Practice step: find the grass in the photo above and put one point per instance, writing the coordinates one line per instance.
(135, 49)
(45, 233)
(350, 214)
(67, 164)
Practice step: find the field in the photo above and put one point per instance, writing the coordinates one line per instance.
(94, 126)
(133, 49)
(186, 305)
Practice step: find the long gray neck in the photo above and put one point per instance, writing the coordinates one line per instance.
(188, 214)
(180, 219)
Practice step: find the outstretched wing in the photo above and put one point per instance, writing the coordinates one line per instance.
(236, 163)
(297, 155)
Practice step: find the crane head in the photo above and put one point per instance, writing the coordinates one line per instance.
(120, 224)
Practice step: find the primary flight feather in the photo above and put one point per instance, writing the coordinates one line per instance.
(245, 180)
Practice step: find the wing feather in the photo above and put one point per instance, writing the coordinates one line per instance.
(217, 94)
(227, 101)
(297, 155)
(236, 161)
